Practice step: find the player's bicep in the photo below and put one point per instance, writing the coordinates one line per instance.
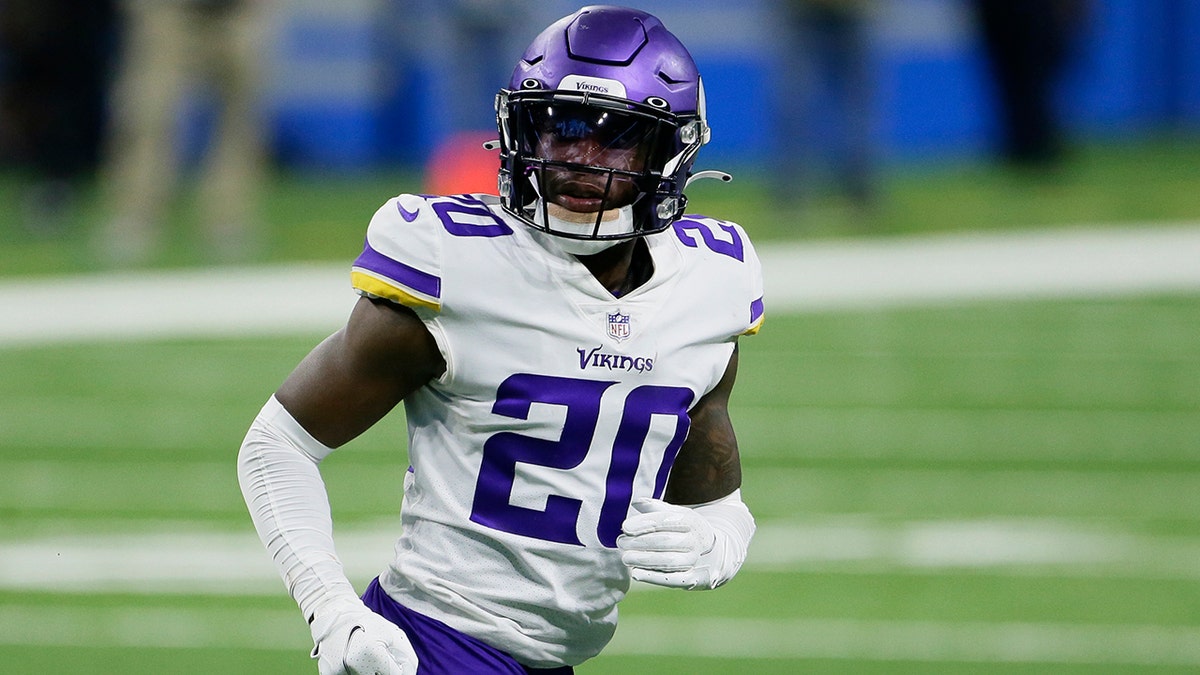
(358, 374)
(708, 466)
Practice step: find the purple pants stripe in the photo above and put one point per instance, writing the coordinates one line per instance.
(443, 650)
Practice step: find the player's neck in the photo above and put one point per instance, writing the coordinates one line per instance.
(621, 268)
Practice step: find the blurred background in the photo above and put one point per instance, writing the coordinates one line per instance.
(288, 118)
(970, 426)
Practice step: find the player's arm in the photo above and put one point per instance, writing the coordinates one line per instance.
(357, 375)
(698, 536)
(707, 467)
(340, 389)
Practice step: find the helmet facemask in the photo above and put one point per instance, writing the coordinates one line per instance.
(591, 166)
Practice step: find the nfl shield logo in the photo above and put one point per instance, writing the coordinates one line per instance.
(618, 326)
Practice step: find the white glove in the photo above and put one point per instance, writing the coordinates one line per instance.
(352, 640)
(687, 547)
(664, 544)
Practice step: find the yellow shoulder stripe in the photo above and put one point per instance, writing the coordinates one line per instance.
(380, 288)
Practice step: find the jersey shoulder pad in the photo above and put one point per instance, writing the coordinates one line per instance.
(725, 252)
(401, 259)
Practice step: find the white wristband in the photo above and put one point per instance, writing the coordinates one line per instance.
(733, 525)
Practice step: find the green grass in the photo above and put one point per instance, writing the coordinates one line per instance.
(870, 438)
(1070, 416)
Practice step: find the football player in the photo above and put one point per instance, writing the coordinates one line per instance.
(565, 354)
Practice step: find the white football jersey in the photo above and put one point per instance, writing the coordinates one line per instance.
(560, 404)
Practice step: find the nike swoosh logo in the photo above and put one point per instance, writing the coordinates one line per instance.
(407, 215)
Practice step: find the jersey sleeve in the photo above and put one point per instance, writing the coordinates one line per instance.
(754, 282)
(726, 265)
(401, 259)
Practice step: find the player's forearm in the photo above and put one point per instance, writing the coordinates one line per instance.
(277, 471)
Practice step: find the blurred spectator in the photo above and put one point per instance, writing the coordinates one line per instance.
(176, 48)
(1028, 43)
(55, 57)
(824, 62)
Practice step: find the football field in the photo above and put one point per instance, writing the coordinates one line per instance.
(965, 455)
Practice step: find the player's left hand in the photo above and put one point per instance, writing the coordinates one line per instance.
(664, 544)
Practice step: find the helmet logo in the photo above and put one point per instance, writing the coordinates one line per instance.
(618, 326)
(592, 85)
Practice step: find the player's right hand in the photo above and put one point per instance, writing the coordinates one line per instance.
(352, 640)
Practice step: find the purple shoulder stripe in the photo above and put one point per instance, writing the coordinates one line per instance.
(423, 282)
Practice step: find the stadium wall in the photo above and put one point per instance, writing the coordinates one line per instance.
(362, 83)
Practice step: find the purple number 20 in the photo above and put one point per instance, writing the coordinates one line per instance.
(581, 399)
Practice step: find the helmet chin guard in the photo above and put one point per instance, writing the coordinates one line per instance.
(604, 115)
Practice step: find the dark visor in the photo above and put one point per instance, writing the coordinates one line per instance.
(567, 122)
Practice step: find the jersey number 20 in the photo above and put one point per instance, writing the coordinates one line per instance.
(581, 399)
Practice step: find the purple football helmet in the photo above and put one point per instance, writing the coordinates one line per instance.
(604, 111)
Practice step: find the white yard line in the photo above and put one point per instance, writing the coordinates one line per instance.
(909, 640)
(216, 302)
(181, 559)
(287, 299)
(1070, 262)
